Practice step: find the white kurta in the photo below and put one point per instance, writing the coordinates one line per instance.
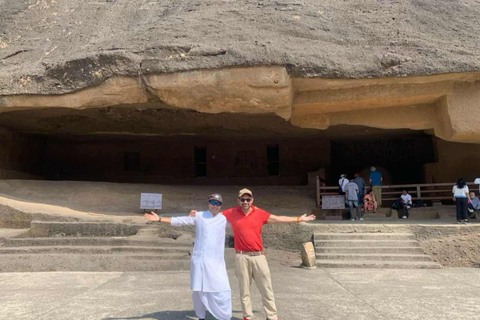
(208, 272)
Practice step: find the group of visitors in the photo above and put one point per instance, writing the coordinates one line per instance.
(208, 275)
(355, 196)
(467, 204)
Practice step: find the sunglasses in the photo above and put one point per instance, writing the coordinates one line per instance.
(215, 203)
(245, 199)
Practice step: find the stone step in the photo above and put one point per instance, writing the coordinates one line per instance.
(358, 250)
(80, 262)
(8, 233)
(89, 229)
(163, 251)
(374, 257)
(364, 236)
(93, 241)
(366, 243)
(376, 216)
(378, 264)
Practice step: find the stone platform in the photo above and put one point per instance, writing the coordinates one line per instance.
(321, 294)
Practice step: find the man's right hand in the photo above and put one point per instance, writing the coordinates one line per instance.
(192, 213)
(152, 216)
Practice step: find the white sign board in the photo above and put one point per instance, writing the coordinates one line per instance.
(333, 202)
(151, 201)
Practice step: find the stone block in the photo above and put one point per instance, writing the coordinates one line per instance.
(308, 255)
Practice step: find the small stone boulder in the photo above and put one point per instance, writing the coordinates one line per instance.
(308, 255)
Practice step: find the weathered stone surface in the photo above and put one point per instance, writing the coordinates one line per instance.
(417, 103)
(249, 90)
(393, 65)
(308, 255)
(460, 114)
(58, 46)
(112, 92)
(444, 104)
(80, 229)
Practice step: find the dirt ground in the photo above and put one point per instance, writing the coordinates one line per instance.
(454, 250)
(100, 199)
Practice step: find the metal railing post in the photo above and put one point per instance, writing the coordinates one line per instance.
(318, 192)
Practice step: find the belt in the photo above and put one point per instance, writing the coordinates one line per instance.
(250, 253)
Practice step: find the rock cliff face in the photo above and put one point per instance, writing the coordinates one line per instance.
(57, 46)
(313, 63)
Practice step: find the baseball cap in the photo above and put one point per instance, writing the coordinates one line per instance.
(245, 191)
(216, 197)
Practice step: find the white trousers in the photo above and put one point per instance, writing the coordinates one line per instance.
(219, 304)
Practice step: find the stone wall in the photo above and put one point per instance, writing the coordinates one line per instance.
(173, 160)
(454, 160)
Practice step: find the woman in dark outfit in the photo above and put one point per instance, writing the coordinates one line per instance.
(461, 197)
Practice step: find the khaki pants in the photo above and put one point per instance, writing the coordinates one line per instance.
(377, 190)
(250, 268)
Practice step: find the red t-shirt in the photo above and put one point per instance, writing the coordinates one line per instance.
(247, 230)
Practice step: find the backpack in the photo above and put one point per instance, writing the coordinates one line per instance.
(418, 203)
(396, 205)
(340, 191)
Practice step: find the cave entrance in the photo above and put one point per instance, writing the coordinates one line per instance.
(400, 157)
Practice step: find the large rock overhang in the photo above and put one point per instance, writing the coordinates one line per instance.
(447, 105)
(401, 64)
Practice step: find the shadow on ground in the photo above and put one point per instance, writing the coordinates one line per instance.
(165, 315)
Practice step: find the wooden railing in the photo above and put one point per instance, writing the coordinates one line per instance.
(427, 191)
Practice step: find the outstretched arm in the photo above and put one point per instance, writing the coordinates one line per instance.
(153, 217)
(177, 221)
(285, 219)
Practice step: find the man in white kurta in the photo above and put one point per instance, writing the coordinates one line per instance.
(208, 273)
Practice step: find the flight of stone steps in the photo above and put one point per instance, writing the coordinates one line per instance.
(371, 250)
(145, 251)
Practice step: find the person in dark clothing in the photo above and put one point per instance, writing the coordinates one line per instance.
(361, 187)
(461, 197)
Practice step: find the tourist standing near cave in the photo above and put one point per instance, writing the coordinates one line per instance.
(351, 196)
(208, 272)
(250, 261)
(461, 196)
(342, 182)
(376, 184)
(361, 187)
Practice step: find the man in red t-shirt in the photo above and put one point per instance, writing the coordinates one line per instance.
(250, 262)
